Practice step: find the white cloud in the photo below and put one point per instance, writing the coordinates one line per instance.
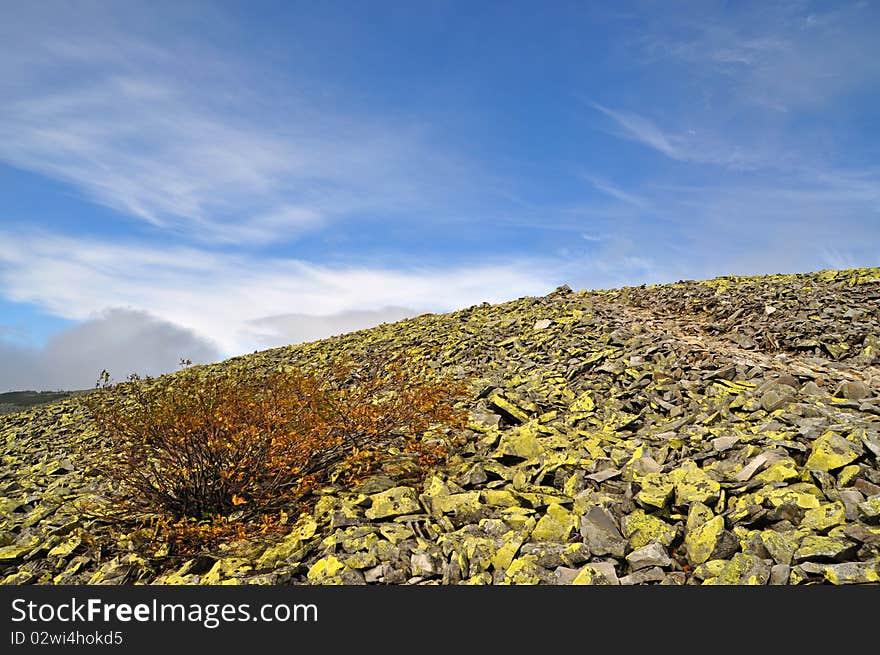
(225, 297)
(691, 145)
(190, 140)
(639, 128)
(296, 328)
(122, 341)
(768, 56)
(614, 191)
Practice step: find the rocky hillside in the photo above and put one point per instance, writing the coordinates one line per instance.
(16, 401)
(717, 432)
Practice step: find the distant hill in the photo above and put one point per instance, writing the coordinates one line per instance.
(15, 401)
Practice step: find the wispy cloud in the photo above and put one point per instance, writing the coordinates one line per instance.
(615, 192)
(641, 129)
(148, 150)
(229, 158)
(781, 57)
(230, 299)
(692, 145)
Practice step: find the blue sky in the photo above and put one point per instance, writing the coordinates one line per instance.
(200, 180)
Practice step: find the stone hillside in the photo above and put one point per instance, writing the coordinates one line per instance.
(716, 432)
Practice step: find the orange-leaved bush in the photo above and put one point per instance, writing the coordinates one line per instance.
(208, 443)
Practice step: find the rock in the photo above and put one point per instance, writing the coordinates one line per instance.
(812, 389)
(722, 444)
(831, 451)
(870, 536)
(226, 570)
(597, 573)
(543, 324)
(395, 532)
(425, 564)
(555, 555)
(824, 517)
(292, 547)
(556, 525)
(814, 547)
(779, 574)
(651, 555)
(498, 498)
(375, 484)
(326, 571)
(601, 534)
(788, 380)
(784, 471)
(485, 421)
(464, 506)
(780, 545)
(709, 570)
(851, 572)
(393, 502)
(19, 549)
(693, 485)
(640, 467)
(657, 490)
(640, 529)
(604, 474)
(751, 468)
(871, 441)
(376, 574)
(526, 571)
(744, 569)
(65, 548)
(709, 541)
(565, 575)
(507, 409)
(510, 545)
(870, 509)
(644, 576)
(523, 443)
(777, 397)
(853, 390)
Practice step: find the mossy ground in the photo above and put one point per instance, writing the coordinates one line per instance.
(731, 427)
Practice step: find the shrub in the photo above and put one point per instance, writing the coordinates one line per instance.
(207, 444)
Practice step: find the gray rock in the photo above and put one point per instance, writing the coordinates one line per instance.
(852, 390)
(870, 509)
(872, 443)
(605, 474)
(751, 468)
(777, 397)
(376, 573)
(788, 380)
(655, 574)
(812, 389)
(601, 534)
(565, 575)
(724, 443)
(424, 565)
(851, 498)
(653, 554)
(553, 555)
(779, 574)
(602, 573)
(814, 547)
(862, 534)
(852, 572)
